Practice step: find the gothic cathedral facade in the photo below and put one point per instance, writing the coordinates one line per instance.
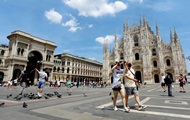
(149, 54)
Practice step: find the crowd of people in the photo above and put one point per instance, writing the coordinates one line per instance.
(124, 83)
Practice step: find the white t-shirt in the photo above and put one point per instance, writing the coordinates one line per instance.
(42, 76)
(128, 82)
(117, 77)
(163, 79)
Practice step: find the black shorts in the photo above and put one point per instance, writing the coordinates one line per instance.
(116, 89)
(163, 84)
(181, 84)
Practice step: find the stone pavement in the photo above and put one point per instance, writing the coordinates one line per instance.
(96, 106)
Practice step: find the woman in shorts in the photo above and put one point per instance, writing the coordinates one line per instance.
(117, 85)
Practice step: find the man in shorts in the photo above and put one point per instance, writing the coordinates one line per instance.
(41, 81)
(130, 86)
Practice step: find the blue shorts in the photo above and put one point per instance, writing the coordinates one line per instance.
(131, 90)
(41, 84)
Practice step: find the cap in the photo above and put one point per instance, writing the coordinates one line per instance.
(116, 60)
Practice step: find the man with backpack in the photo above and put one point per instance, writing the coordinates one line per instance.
(168, 81)
(24, 82)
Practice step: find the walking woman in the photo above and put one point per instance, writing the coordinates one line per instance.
(117, 85)
(163, 85)
(181, 84)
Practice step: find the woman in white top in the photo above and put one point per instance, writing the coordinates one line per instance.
(117, 85)
(130, 86)
(163, 85)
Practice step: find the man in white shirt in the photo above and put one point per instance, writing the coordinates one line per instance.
(41, 81)
(130, 85)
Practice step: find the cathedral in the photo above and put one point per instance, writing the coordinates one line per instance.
(149, 54)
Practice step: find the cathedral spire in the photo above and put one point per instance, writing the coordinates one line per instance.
(171, 35)
(157, 30)
(145, 21)
(175, 35)
(141, 24)
(124, 28)
(105, 46)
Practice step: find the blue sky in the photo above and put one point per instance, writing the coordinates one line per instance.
(79, 27)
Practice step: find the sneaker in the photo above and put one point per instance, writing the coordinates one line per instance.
(128, 106)
(115, 108)
(184, 91)
(180, 91)
(142, 107)
(126, 109)
(39, 94)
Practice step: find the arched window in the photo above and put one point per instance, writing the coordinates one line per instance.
(63, 70)
(136, 40)
(121, 55)
(155, 63)
(22, 51)
(168, 62)
(2, 52)
(67, 70)
(137, 56)
(54, 69)
(112, 66)
(58, 69)
(49, 57)
(18, 51)
(153, 52)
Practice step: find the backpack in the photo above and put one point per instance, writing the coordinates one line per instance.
(167, 80)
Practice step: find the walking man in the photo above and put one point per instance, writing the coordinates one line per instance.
(168, 80)
(41, 81)
(130, 86)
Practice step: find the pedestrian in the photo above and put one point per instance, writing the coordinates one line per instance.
(130, 86)
(117, 85)
(77, 83)
(163, 85)
(182, 84)
(42, 78)
(24, 82)
(9, 84)
(185, 79)
(14, 83)
(69, 86)
(168, 81)
(58, 83)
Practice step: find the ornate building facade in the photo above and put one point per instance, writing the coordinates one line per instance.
(149, 54)
(25, 50)
(23, 53)
(76, 68)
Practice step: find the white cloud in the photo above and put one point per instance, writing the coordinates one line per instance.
(53, 16)
(74, 29)
(140, 1)
(72, 24)
(96, 8)
(109, 38)
(90, 25)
